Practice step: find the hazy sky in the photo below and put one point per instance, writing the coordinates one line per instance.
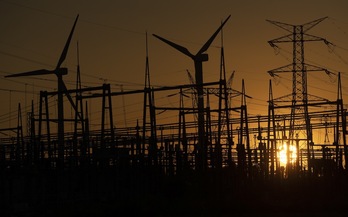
(111, 36)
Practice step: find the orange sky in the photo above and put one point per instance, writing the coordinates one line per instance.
(111, 36)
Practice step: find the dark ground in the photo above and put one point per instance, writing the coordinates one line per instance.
(142, 192)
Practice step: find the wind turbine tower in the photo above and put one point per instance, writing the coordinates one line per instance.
(198, 59)
(62, 89)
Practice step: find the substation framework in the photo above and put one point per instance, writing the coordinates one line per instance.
(204, 144)
(174, 147)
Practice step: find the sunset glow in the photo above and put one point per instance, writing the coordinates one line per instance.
(282, 154)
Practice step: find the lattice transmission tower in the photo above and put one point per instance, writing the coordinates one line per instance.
(299, 98)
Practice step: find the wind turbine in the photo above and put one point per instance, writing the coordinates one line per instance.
(59, 72)
(198, 60)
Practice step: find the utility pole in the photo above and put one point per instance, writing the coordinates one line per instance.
(271, 135)
(149, 104)
(223, 98)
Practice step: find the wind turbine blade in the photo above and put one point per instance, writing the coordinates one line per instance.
(31, 73)
(66, 47)
(211, 39)
(176, 46)
(65, 90)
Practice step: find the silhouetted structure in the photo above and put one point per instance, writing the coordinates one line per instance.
(189, 164)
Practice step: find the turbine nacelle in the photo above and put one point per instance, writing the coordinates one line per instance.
(201, 57)
(61, 71)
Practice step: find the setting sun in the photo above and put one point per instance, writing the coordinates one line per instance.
(282, 154)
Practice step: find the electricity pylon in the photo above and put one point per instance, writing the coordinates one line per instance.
(299, 98)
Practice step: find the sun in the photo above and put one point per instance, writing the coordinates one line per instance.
(283, 154)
